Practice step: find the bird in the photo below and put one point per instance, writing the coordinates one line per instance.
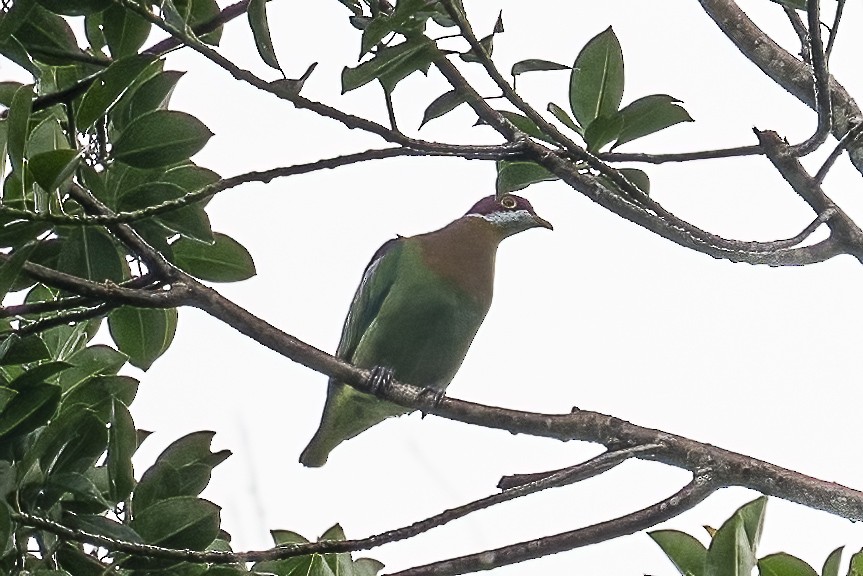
(415, 313)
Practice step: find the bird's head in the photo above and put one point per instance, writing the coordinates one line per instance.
(510, 214)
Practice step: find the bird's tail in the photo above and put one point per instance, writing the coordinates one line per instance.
(315, 454)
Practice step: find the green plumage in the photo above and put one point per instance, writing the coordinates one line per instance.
(416, 311)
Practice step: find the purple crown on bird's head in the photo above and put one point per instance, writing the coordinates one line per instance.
(510, 212)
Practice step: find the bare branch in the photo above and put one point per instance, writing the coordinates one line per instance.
(834, 30)
(848, 140)
(684, 499)
(680, 156)
(822, 82)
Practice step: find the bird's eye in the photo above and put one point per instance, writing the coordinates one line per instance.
(508, 202)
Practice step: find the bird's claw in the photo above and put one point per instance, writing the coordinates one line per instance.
(379, 379)
(436, 395)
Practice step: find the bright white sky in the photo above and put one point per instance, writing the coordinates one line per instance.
(600, 313)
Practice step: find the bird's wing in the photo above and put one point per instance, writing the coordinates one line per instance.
(377, 280)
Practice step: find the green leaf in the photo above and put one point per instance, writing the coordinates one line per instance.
(199, 12)
(6, 396)
(637, 177)
(91, 254)
(783, 564)
(512, 176)
(487, 45)
(99, 394)
(596, 82)
(28, 410)
(122, 443)
(14, 17)
(23, 350)
(125, 32)
(108, 87)
(443, 104)
(19, 118)
(648, 115)
(183, 469)
(37, 375)
(793, 4)
(367, 567)
(182, 522)
(191, 220)
(71, 443)
(282, 537)
(52, 169)
(404, 16)
(687, 553)
(12, 267)
(752, 514)
(161, 138)
(831, 565)
(153, 94)
(390, 65)
(257, 13)
(104, 527)
(526, 125)
(226, 260)
(75, 7)
(6, 528)
(534, 65)
(44, 34)
(98, 360)
(143, 334)
(855, 567)
(564, 117)
(730, 553)
(602, 130)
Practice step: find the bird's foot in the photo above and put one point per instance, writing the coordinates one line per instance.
(380, 378)
(436, 395)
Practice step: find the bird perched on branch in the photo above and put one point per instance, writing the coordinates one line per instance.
(416, 312)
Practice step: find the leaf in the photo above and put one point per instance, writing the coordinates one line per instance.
(108, 87)
(257, 13)
(831, 565)
(143, 334)
(125, 32)
(71, 443)
(183, 522)
(383, 24)
(730, 553)
(367, 567)
(443, 104)
(648, 115)
(637, 177)
(161, 138)
(12, 20)
(282, 537)
(535, 65)
(75, 7)
(526, 125)
(52, 169)
(28, 410)
(487, 45)
(752, 514)
(596, 82)
(23, 350)
(103, 526)
(122, 443)
(226, 260)
(98, 360)
(564, 117)
(190, 220)
(91, 254)
(783, 564)
(153, 94)
(512, 176)
(12, 267)
(602, 130)
(390, 65)
(44, 34)
(37, 375)
(290, 87)
(19, 118)
(687, 553)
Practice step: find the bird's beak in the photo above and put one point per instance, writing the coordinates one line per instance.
(542, 222)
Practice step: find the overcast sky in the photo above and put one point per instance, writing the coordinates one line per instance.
(603, 314)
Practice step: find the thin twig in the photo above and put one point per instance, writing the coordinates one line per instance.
(680, 156)
(687, 497)
(823, 105)
(834, 30)
(848, 140)
(800, 30)
(66, 318)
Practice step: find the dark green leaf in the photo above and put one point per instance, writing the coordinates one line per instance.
(783, 564)
(44, 34)
(37, 375)
(74, 7)
(91, 254)
(71, 443)
(108, 87)
(191, 220)
(161, 138)
(143, 334)
(125, 32)
(257, 13)
(282, 537)
(225, 260)
(19, 117)
(730, 553)
(152, 94)
(14, 17)
(687, 553)
(99, 393)
(602, 130)
(51, 169)
(390, 65)
(596, 82)
(526, 125)
(564, 117)
(23, 350)
(637, 177)
(534, 64)
(648, 115)
(367, 567)
(122, 443)
(297, 566)
(6, 528)
(831, 565)
(28, 410)
(6, 396)
(199, 12)
(512, 176)
(98, 360)
(12, 267)
(183, 522)
(487, 45)
(752, 514)
(104, 527)
(443, 104)
(404, 16)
